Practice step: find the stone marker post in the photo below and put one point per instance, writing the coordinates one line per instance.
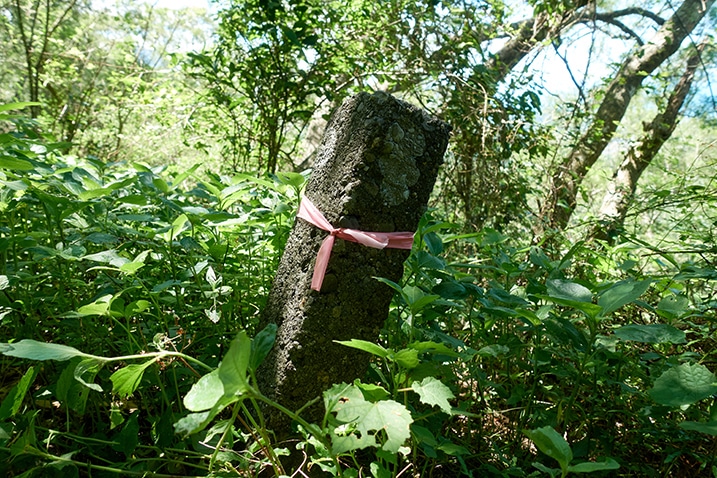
(374, 171)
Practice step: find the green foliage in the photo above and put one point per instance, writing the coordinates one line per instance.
(553, 445)
(267, 74)
(131, 285)
(360, 420)
(135, 266)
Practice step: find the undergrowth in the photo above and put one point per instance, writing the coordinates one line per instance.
(129, 307)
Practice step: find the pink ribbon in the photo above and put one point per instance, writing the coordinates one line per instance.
(378, 240)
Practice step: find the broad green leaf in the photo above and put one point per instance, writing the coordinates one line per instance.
(131, 267)
(684, 385)
(34, 350)
(13, 400)
(261, 182)
(563, 289)
(101, 238)
(177, 226)
(15, 164)
(205, 393)
(161, 184)
(552, 444)
(433, 242)
(85, 372)
(128, 439)
(423, 435)
(531, 316)
(433, 348)
(136, 217)
(432, 391)
(235, 364)
(450, 289)
(261, 345)
(570, 294)
(424, 260)
(694, 272)
(494, 350)
(651, 334)
(192, 423)
(94, 193)
(406, 358)
(365, 419)
(390, 283)
(416, 299)
(709, 428)
(126, 380)
(98, 307)
(177, 180)
(552, 472)
(372, 392)
(295, 180)
(16, 185)
(109, 256)
(590, 466)
(195, 422)
(18, 105)
(450, 448)
(620, 294)
(72, 388)
(673, 306)
(136, 307)
(369, 347)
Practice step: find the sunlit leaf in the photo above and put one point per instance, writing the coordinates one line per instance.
(651, 333)
(366, 346)
(127, 379)
(684, 384)
(552, 444)
(32, 349)
(434, 392)
(406, 358)
(15, 164)
(673, 306)
(590, 466)
(620, 294)
(13, 400)
(18, 105)
(205, 393)
(365, 419)
(563, 289)
(235, 364)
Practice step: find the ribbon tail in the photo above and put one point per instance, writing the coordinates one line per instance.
(401, 240)
(311, 214)
(322, 262)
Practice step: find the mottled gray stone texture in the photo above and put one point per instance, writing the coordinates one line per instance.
(375, 169)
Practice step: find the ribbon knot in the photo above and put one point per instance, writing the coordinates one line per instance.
(378, 240)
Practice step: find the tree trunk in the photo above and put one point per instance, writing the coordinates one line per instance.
(375, 170)
(622, 188)
(565, 182)
(36, 30)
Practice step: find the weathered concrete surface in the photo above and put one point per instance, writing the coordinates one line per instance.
(375, 170)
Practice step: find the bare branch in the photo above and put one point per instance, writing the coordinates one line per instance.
(610, 16)
(621, 26)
